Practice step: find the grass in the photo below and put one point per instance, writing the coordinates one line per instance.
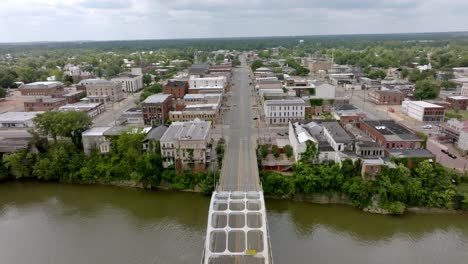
(460, 114)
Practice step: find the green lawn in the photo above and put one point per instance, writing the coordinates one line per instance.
(460, 114)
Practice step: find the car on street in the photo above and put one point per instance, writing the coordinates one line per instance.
(427, 127)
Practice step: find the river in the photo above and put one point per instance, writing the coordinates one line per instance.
(50, 223)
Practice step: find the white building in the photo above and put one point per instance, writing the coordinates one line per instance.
(299, 134)
(131, 82)
(284, 110)
(464, 83)
(423, 111)
(18, 119)
(102, 91)
(185, 144)
(207, 84)
(336, 136)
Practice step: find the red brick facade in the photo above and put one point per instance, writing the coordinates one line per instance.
(176, 88)
(458, 103)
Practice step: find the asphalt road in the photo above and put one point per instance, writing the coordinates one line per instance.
(240, 171)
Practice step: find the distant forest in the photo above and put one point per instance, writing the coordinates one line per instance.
(356, 42)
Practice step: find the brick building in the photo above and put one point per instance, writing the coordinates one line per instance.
(176, 88)
(44, 104)
(423, 111)
(458, 102)
(156, 109)
(391, 135)
(386, 97)
(42, 88)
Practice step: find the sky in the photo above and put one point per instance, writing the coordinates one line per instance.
(65, 20)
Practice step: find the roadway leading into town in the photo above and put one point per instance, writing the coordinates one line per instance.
(240, 171)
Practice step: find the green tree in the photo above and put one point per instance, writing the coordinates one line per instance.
(288, 151)
(264, 151)
(310, 154)
(3, 93)
(147, 79)
(377, 74)
(256, 64)
(65, 124)
(404, 73)
(449, 84)
(7, 78)
(426, 89)
(275, 150)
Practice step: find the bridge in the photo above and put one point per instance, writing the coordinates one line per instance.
(237, 230)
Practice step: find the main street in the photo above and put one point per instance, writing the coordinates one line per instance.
(240, 171)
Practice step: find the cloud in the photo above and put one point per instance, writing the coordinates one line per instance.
(32, 20)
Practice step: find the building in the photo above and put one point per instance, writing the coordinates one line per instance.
(371, 168)
(132, 116)
(92, 109)
(317, 64)
(185, 145)
(369, 149)
(51, 88)
(94, 138)
(207, 85)
(44, 104)
(423, 111)
(196, 99)
(156, 109)
(206, 112)
(199, 69)
(458, 102)
(153, 138)
(410, 157)
(391, 135)
(309, 89)
(14, 140)
(73, 97)
(178, 89)
(337, 137)
(453, 128)
(102, 91)
(18, 119)
(348, 114)
(386, 97)
(222, 69)
(284, 110)
(464, 83)
(131, 82)
(300, 133)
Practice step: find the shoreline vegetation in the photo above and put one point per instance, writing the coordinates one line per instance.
(427, 188)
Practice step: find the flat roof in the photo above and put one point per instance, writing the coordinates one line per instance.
(80, 105)
(46, 100)
(156, 98)
(285, 102)
(95, 131)
(393, 131)
(192, 130)
(337, 132)
(410, 153)
(18, 116)
(423, 104)
(458, 97)
(42, 85)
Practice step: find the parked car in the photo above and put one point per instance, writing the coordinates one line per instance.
(427, 127)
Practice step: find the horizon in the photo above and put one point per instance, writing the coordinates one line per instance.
(241, 37)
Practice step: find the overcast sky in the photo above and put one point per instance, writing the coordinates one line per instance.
(51, 20)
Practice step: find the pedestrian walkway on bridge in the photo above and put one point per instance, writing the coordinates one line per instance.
(237, 229)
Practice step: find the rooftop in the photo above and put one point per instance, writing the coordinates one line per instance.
(392, 130)
(410, 153)
(176, 83)
(156, 133)
(18, 116)
(192, 130)
(285, 102)
(42, 85)
(337, 132)
(423, 104)
(458, 97)
(156, 98)
(95, 82)
(95, 131)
